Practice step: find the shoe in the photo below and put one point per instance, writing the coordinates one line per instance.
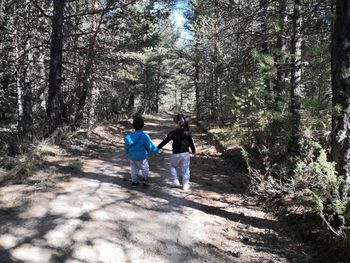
(175, 184)
(135, 183)
(144, 181)
(186, 187)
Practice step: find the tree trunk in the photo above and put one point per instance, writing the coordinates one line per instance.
(18, 83)
(176, 107)
(27, 121)
(54, 107)
(87, 85)
(216, 89)
(196, 80)
(281, 47)
(181, 100)
(42, 77)
(295, 86)
(131, 102)
(159, 62)
(265, 47)
(147, 90)
(341, 89)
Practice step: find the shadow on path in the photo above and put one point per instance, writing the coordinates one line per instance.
(96, 216)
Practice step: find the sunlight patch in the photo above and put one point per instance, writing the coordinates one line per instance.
(30, 253)
(8, 241)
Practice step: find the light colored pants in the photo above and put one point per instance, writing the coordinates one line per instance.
(136, 166)
(180, 165)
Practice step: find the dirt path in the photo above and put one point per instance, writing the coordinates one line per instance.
(96, 216)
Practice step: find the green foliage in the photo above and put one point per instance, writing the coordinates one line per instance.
(330, 195)
(265, 62)
(338, 108)
(277, 27)
(312, 176)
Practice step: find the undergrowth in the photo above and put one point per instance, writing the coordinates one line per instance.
(19, 169)
(307, 185)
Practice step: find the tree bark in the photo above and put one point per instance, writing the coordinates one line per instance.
(54, 107)
(341, 89)
(216, 89)
(42, 77)
(295, 85)
(158, 88)
(27, 121)
(265, 47)
(18, 85)
(196, 81)
(196, 65)
(281, 47)
(131, 102)
(87, 85)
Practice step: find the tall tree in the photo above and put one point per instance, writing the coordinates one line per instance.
(341, 89)
(55, 102)
(265, 47)
(281, 46)
(196, 76)
(27, 121)
(85, 88)
(295, 79)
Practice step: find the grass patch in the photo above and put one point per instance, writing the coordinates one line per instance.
(13, 197)
(76, 164)
(22, 168)
(149, 117)
(223, 137)
(46, 147)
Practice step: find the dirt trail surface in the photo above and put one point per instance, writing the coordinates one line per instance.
(94, 215)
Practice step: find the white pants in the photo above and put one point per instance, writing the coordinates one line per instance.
(136, 166)
(180, 165)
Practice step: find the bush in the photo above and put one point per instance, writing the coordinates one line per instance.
(310, 176)
(330, 195)
(314, 176)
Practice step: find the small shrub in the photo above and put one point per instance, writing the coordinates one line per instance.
(76, 164)
(309, 176)
(22, 170)
(330, 195)
(46, 147)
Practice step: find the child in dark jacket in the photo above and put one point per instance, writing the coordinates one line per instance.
(180, 160)
(137, 146)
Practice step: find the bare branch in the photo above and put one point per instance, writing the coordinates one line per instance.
(40, 9)
(102, 10)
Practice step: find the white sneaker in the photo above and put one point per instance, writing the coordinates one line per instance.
(175, 184)
(186, 186)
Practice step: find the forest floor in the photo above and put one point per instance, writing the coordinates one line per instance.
(79, 206)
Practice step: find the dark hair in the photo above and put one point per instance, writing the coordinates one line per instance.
(138, 123)
(182, 120)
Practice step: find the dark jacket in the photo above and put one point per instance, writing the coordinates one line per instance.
(182, 141)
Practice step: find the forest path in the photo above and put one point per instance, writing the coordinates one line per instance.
(96, 216)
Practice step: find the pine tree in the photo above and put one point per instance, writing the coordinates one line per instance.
(341, 89)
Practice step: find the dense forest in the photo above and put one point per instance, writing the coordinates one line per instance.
(273, 75)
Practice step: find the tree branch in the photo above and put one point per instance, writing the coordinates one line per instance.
(40, 9)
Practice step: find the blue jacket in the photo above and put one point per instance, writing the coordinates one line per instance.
(138, 145)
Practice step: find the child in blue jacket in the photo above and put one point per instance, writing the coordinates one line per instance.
(137, 146)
